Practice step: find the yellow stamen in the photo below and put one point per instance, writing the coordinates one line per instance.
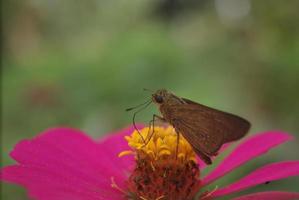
(124, 153)
(207, 195)
(161, 197)
(114, 185)
(162, 144)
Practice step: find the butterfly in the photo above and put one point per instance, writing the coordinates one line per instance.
(205, 128)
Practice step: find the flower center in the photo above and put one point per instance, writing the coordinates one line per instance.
(163, 170)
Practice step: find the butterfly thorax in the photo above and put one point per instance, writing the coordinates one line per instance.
(166, 100)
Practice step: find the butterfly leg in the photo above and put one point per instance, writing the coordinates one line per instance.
(149, 135)
(155, 118)
(177, 145)
(158, 117)
(152, 124)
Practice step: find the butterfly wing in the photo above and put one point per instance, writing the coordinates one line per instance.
(205, 128)
(236, 127)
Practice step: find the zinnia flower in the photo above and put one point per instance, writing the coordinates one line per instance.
(64, 163)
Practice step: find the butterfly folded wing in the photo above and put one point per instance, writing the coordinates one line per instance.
(206, 129)
(201, 136)
(236, 127)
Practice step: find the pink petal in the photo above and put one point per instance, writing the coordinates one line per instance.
(270, 195)
(254, 146)
(42, 183)
(67, 162)
(269, 172)
(113, 145)
(64, 148)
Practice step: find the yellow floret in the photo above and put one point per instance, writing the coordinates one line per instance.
(160, 144)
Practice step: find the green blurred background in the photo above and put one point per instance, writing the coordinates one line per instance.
(81, 63)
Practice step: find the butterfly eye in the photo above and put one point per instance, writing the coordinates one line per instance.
(159, 99)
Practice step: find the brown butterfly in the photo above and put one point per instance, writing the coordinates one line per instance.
(205, 128)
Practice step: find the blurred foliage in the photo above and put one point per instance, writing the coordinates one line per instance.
(81, 63)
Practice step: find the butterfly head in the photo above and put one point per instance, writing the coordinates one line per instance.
(160, 96)
(163, 97)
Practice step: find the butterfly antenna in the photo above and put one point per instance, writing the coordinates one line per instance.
(132, 108)
(148, 90)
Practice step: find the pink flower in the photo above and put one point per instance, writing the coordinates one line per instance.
(64, 163)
